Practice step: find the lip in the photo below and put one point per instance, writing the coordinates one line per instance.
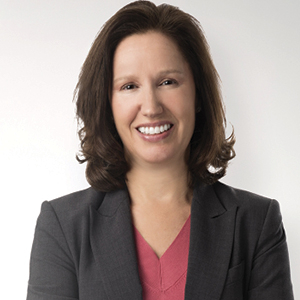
(154, 124)
(155, 137)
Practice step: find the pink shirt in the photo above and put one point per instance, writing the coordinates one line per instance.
(164, 278)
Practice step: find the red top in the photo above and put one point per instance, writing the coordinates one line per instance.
(164, 278)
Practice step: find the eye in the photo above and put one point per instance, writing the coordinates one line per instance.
(128, 86)
(168, 82)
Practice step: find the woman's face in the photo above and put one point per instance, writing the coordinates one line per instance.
(153, 99)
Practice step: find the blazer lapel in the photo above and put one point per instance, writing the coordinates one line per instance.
(113, 247)
(211, 238)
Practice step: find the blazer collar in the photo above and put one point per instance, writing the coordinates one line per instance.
(211, 239)
(113, 247)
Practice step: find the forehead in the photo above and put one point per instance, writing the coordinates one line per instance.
(147, 48)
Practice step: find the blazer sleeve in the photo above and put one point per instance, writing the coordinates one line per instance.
(270, 274)
(52, 269)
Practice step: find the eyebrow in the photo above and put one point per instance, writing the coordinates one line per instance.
(161, 73)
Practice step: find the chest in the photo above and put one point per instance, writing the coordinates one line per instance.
(160, 227)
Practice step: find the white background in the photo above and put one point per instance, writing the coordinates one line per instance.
(256, 49)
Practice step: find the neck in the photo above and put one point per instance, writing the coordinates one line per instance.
(159, 184)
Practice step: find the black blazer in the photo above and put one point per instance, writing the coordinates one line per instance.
(84, 248)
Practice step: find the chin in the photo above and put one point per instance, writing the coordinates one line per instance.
(159, 158)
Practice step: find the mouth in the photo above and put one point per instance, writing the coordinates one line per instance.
(154, 130)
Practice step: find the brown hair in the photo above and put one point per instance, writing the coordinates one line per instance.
(101, 146)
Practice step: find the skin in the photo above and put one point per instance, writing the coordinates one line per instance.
(153, 85)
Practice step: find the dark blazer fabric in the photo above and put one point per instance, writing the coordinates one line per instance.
(84, 248)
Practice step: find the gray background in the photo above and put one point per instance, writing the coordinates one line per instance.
(256, 49)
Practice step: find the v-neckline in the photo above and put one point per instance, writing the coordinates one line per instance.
(162, 273)
(137, 233)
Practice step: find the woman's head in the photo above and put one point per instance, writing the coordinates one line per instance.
(153, 101)
(101, 145)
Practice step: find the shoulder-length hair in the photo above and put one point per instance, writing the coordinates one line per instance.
(101, 146)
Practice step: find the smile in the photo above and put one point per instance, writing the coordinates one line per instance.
(154, 130)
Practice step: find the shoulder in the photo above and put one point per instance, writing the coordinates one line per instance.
(228, 194)
(245, 200)
(254, 211)
(75, 202)
(71, 212)
(67, 219)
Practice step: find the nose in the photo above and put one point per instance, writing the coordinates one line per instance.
(151, 105)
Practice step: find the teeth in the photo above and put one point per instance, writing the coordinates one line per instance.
(154, 130)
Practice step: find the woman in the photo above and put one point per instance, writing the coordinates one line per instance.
(156, 223)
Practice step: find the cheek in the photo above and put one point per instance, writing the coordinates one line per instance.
(123, 114)
(188, 117)
(186, 110)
